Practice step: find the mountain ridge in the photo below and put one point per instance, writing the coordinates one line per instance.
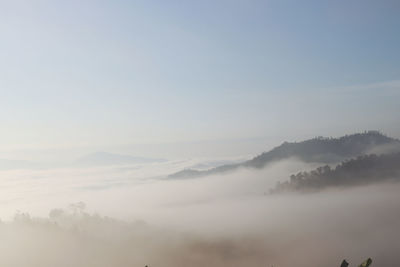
(319, 150)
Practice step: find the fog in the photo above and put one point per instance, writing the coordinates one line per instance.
(134, 216)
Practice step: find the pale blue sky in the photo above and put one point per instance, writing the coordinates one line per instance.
(103, 73)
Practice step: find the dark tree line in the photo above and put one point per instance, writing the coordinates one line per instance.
(362, 170)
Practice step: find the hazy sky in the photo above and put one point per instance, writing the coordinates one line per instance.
(97, 73)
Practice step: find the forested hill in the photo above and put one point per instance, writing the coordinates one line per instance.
(326, 150)
(320, 150)
(362, 170)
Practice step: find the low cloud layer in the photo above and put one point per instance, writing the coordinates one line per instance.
(224, 220)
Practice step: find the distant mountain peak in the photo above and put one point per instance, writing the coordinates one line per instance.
(107, 158)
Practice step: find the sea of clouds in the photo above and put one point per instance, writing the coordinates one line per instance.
(133, 215)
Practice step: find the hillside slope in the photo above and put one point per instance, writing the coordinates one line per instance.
(362, 170)
(319, 150)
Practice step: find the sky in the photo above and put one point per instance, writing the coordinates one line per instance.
(112, 74)
(196, 84)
